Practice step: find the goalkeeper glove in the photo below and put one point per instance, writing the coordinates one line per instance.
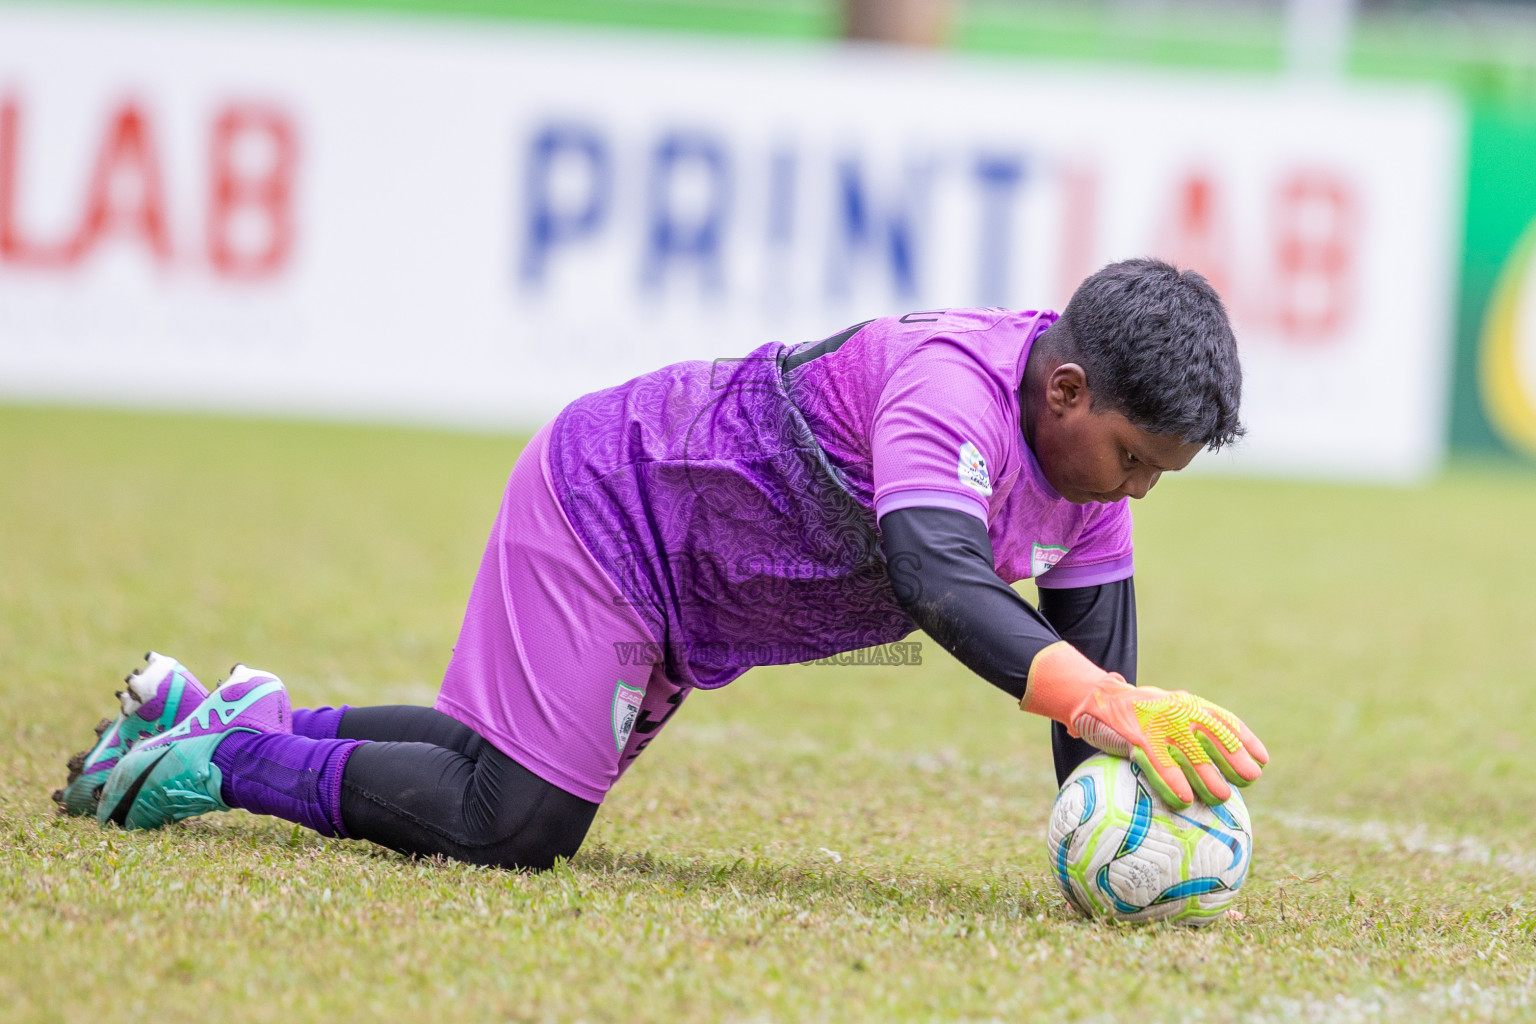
(1184, 745)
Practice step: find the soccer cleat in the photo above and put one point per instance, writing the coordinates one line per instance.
(157, 697)
(172, 776)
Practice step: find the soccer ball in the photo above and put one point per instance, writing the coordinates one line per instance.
(1118, 851)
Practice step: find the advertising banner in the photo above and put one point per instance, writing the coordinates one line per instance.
(421, 222)
(1494, 404)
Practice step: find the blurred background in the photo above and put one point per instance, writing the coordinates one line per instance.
(467, 212)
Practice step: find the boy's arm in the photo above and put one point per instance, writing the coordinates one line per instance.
(1101, 622)
(940, 562)
(941, 567)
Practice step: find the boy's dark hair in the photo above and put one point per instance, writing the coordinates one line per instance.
(1157, 347)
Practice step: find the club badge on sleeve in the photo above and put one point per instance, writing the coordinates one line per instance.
(973, 470)
(1043, 557)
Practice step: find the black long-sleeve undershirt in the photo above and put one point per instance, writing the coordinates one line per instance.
(942, 567)
(1101, 622)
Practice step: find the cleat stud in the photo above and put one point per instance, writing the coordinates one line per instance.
(103, 725)
(148, 655)
(76, 763)
(58, 797)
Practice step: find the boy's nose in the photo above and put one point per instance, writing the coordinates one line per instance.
(1140, 483)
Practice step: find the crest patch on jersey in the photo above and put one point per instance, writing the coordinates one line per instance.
(1042, 557)
(626, 708)
(973, 470)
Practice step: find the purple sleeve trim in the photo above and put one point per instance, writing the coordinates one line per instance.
(919, 498)
(1096, 575)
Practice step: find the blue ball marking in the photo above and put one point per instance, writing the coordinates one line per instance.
(1061, 864)
(1090, 801)
(1141, 823)
(1192, 887)
(1102, 880)
(1225, 817)
(1230, 841)
(1090, 798)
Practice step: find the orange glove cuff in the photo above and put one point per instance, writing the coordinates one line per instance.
(1061, 681)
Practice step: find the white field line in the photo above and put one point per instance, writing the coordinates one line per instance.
(1414, 839)
(1459, 1001)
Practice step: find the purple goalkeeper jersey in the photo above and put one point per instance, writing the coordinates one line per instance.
(736, 503)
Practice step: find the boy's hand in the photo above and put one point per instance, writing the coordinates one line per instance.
(1181, 741)
(1186, 746)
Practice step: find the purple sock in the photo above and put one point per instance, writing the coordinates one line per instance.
(318, 723)
(290, 777)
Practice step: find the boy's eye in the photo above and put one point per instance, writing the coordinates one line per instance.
(1129, 457)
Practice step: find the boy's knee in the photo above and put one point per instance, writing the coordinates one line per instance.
(541, 853)
(555, 830)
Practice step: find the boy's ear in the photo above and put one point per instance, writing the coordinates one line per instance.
(1067, 389)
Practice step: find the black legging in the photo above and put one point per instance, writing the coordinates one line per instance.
(430, 785)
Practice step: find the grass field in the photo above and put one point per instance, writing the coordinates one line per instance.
(853, 844)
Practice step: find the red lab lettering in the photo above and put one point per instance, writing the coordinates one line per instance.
(251, 168)
(1315, 226)
(1198, 236)
(245, 193)
(127, 154)
(15, 247)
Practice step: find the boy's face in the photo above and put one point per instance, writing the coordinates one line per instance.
(1089, 455)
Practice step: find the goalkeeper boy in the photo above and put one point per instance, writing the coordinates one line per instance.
(799, 502)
